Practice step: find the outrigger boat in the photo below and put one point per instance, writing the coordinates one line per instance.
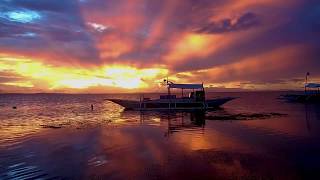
(309, 96)
(311, 93)
(195, 101)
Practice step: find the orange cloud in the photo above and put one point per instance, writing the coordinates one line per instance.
(125, 16)
(114, 45)
(235, 7)
(275, 64)
(194, 48)
(191, 45)
(160, 23)
(67, 77)
(132, 43)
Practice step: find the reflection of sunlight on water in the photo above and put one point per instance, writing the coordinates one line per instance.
(55, 134)
(11, 135)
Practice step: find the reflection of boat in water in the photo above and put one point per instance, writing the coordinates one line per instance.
(302, 98)
(176, 121)
(193, 121)
(195, 101)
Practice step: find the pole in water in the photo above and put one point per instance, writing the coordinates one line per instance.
(91, 107)
(306, 83)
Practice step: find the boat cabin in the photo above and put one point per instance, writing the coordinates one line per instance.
(312, 89)
(197, 94)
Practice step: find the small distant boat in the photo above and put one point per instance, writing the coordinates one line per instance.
(311, 93)
(195, 101)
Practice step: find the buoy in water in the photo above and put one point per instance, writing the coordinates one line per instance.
(14, 107)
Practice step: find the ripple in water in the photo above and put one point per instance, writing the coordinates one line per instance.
(59, 136)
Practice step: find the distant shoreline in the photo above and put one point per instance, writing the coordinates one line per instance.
(245, 91)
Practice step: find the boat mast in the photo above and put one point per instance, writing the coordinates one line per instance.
(169, 93)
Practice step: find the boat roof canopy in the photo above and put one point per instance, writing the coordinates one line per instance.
(186, 86)
(313, 85)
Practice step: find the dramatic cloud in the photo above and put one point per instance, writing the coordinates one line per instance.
(49, 30)
(99, 44)
(227, 25)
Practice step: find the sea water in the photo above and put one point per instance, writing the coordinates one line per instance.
(59, 136)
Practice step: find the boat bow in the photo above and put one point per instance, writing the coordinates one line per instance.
(128, 104)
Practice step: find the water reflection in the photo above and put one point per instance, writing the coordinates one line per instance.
(312, 112)
(109, 143)
(177, 121)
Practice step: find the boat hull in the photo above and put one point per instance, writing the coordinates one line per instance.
(173, 104)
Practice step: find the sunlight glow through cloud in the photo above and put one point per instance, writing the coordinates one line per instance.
(131, 44)
(62, 77)
(22, 16)
(27, 34)
(98, 27)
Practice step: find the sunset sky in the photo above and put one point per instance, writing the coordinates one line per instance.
(97, 46)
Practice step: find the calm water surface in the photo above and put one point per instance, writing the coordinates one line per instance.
(54, 136)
